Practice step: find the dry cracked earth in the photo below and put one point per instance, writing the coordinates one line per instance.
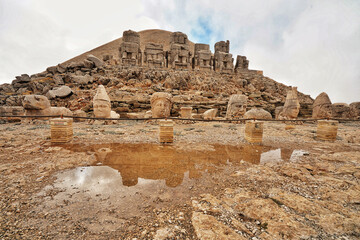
(118, 182)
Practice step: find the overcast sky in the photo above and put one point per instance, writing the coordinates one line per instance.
(312, 44)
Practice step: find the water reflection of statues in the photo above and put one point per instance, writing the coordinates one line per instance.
(237, 106)
(161, 104)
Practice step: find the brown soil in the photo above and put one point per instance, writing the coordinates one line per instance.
(118, 182)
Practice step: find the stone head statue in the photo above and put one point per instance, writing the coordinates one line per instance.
(101, 103)
(322, 107)
(161, 104)
(36, 102)
(292, 106)
(236, 106)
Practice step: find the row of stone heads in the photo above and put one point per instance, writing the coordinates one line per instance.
(161, 104)
(179, 56)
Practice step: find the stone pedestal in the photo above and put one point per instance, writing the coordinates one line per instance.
(166, 134)
(254, 131)
(185, 112)
(327, 130)
(61, 130)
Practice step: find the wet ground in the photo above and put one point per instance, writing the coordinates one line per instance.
(117, 181)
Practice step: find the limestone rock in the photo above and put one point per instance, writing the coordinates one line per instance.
(13, 110)
(355, 110)
(60, 111)
(322, 106)
(36, 102)
(79, 113)
(161, 104)
(292, 106)
(210, 114)
(258, 113)
(207, 227)
(98, 63)
(278, 110)
(83, 80)
(61, 92)
(101, 103)
(341, 110)
(113, 114)
(52, 69)
(237, 106)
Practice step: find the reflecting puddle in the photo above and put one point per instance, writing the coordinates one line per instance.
(140, 164)
(129, 179)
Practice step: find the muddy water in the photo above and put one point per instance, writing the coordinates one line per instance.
(130, 179)
(139, 163)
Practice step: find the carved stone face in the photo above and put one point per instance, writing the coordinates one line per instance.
(102, 109)
(161, 103)
(160, 108)
(236, 106)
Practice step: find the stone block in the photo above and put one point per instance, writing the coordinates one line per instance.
(327, 130)
(166, 134)
(61, 130)
(254, 131)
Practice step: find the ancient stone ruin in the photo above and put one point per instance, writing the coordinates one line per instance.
(130, 53)
(101, 103)
(139, 64)
(223, 61)
(322, 107)
(291, 106)
(154, 56)
(180, 55)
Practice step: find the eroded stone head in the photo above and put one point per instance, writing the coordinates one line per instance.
(237, 106)
(292, 106)
(161, 104)
(101, 103)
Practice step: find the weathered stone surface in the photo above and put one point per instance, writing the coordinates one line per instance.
(36, 102)
(12, 110)
(241, 63)
(258, 113)
(130, 53)
(101, 103)
(210, 114)
(113, 114)
(355, 110)
(236, 106)
(79, 113)
(185, 112)
(179, 51)
(83, 80)
(60, 111)
(98, 63)
(61, 92)
(223, 61)
(154, 55)
(292, 106)
(52, 69)
(207, 227)
(203, 57)
(161, 104)
(322, 106)
(341, 110)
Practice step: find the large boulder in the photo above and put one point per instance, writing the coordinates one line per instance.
(61, 92)
(79, 113)
(322, 107)
(12, 110)
(341, 110)
(258, 113)
(355, 110)
(35, 102)
(83, 80)
(210, 114)
(95, 60)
